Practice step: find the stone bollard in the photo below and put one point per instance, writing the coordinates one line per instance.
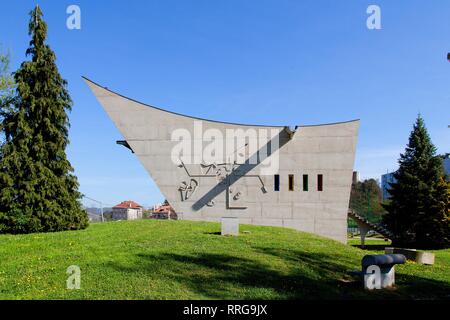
(230, 226)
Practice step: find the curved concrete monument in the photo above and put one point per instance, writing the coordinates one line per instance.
(296, 177)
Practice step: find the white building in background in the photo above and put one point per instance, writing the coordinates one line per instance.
(296, 177)
(127, 210)
(164, 211)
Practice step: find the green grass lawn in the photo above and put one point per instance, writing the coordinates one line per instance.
(155, 259)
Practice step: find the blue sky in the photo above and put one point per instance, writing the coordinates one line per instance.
(249, 61)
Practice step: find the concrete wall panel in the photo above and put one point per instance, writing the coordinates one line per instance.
(323, 149)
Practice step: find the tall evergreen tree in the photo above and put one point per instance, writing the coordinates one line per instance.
(38, 190)
(418, 211)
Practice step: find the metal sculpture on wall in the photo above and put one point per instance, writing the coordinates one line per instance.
(227, 174)
(187, 190)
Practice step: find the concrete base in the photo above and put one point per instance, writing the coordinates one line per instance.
(425, 258)
(387, 277)
(379, 280)
(413, 255)
(230, 226)
(363, 229)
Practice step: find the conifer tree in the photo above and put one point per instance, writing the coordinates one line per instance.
(38, 190)
(418, 210)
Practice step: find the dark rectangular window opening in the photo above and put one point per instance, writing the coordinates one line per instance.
(305, 182)
(291, 182)
(320, 182)
(276, 182)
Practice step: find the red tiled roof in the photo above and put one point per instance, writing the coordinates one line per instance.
(163, 209)
(128, 205)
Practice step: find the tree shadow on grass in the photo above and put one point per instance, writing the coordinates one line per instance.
(221, 276)
(218, 233)
(274, 273)
(371, 247)
(419, 288)
(408, 286)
